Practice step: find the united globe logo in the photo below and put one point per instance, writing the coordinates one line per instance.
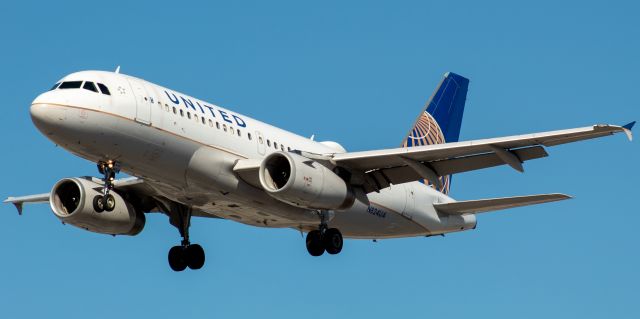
(427, 132)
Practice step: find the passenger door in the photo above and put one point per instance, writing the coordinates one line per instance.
(143, 102)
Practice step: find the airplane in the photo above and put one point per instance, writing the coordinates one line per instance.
(189, 158)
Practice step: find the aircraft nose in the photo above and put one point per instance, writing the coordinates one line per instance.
(46, 117)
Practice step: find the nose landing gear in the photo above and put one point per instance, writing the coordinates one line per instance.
(106, 201)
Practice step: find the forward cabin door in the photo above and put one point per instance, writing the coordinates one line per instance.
(143, 102)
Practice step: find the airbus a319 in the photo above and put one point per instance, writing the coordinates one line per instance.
(190, 158)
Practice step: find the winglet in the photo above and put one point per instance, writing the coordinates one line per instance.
(627, 130)
(18, 205)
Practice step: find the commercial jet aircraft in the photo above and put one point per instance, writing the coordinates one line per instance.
(188, 157)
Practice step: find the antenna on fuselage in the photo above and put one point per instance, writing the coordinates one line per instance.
(312, 137)
(118, 69)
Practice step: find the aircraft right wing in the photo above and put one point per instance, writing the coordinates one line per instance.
(401, 165)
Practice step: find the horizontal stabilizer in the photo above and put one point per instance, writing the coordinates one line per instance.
(492, 204)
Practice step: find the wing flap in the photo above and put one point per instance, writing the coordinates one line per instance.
(493, 204)
(405, 174)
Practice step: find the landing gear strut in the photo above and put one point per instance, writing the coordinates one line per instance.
(324, 239)
(106, 201)
(187, 254)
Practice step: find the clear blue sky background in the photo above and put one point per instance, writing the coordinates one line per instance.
(358, 73)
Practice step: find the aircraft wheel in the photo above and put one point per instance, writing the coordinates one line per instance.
(195, 256)
(177, 260)
(332, 241)
(314, 243)
(109, 203)
(98, 204)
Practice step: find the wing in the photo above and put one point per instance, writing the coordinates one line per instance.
(381, 168)
(130, 185)
(493, 204)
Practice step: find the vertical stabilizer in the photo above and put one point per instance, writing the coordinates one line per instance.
(441, 119)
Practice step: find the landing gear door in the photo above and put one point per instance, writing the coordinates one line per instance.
(261, 142)
(143, 104)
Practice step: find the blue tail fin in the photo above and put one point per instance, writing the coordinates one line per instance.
(440, 121)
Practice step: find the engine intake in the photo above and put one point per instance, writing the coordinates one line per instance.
(72, 202)
(300, 181)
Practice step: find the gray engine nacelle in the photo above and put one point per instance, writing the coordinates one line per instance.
(303, 182)
(72, 202)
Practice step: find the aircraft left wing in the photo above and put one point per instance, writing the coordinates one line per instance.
(401, 165)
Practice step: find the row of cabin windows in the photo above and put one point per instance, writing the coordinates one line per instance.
(218, 126)
(87, 85)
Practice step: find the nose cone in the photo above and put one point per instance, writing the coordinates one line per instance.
(48, 118)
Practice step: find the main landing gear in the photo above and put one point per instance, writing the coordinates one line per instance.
(324, 239)
(106, 201)
(187, 254)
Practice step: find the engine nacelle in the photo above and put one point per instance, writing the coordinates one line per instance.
(303, 182)
(72, 202)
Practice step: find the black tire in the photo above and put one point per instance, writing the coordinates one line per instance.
(332, 241)
(195, 256)
(177, 261)
(109, 203)
(314, 243)
(98, 204)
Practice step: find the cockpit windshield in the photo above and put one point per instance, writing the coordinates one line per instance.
(87, 85)
(70, 85)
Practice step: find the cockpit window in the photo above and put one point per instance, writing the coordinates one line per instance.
(70, 85)
(55, 86)
(90, 86)
(104, 89)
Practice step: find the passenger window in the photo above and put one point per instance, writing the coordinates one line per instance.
(275, 145)
(231, 130)
(217, 125)
(239, 133)
(70, 85)
(104, 89)
(189, 115)
(166, 107)
(249, 136)
(174, 110)
(210, 123)
(182, 113)
(202, 119)
(269, 143)
(55, 86)
(195, 117)
(288, 149)
(90, 86)
(282, 147)
(260, 140)
(224, 127)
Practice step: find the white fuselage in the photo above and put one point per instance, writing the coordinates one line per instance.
(185, 149)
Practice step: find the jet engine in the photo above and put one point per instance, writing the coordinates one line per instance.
(72, 201)
(300, 181)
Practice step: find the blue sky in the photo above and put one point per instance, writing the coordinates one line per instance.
(358, 73)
